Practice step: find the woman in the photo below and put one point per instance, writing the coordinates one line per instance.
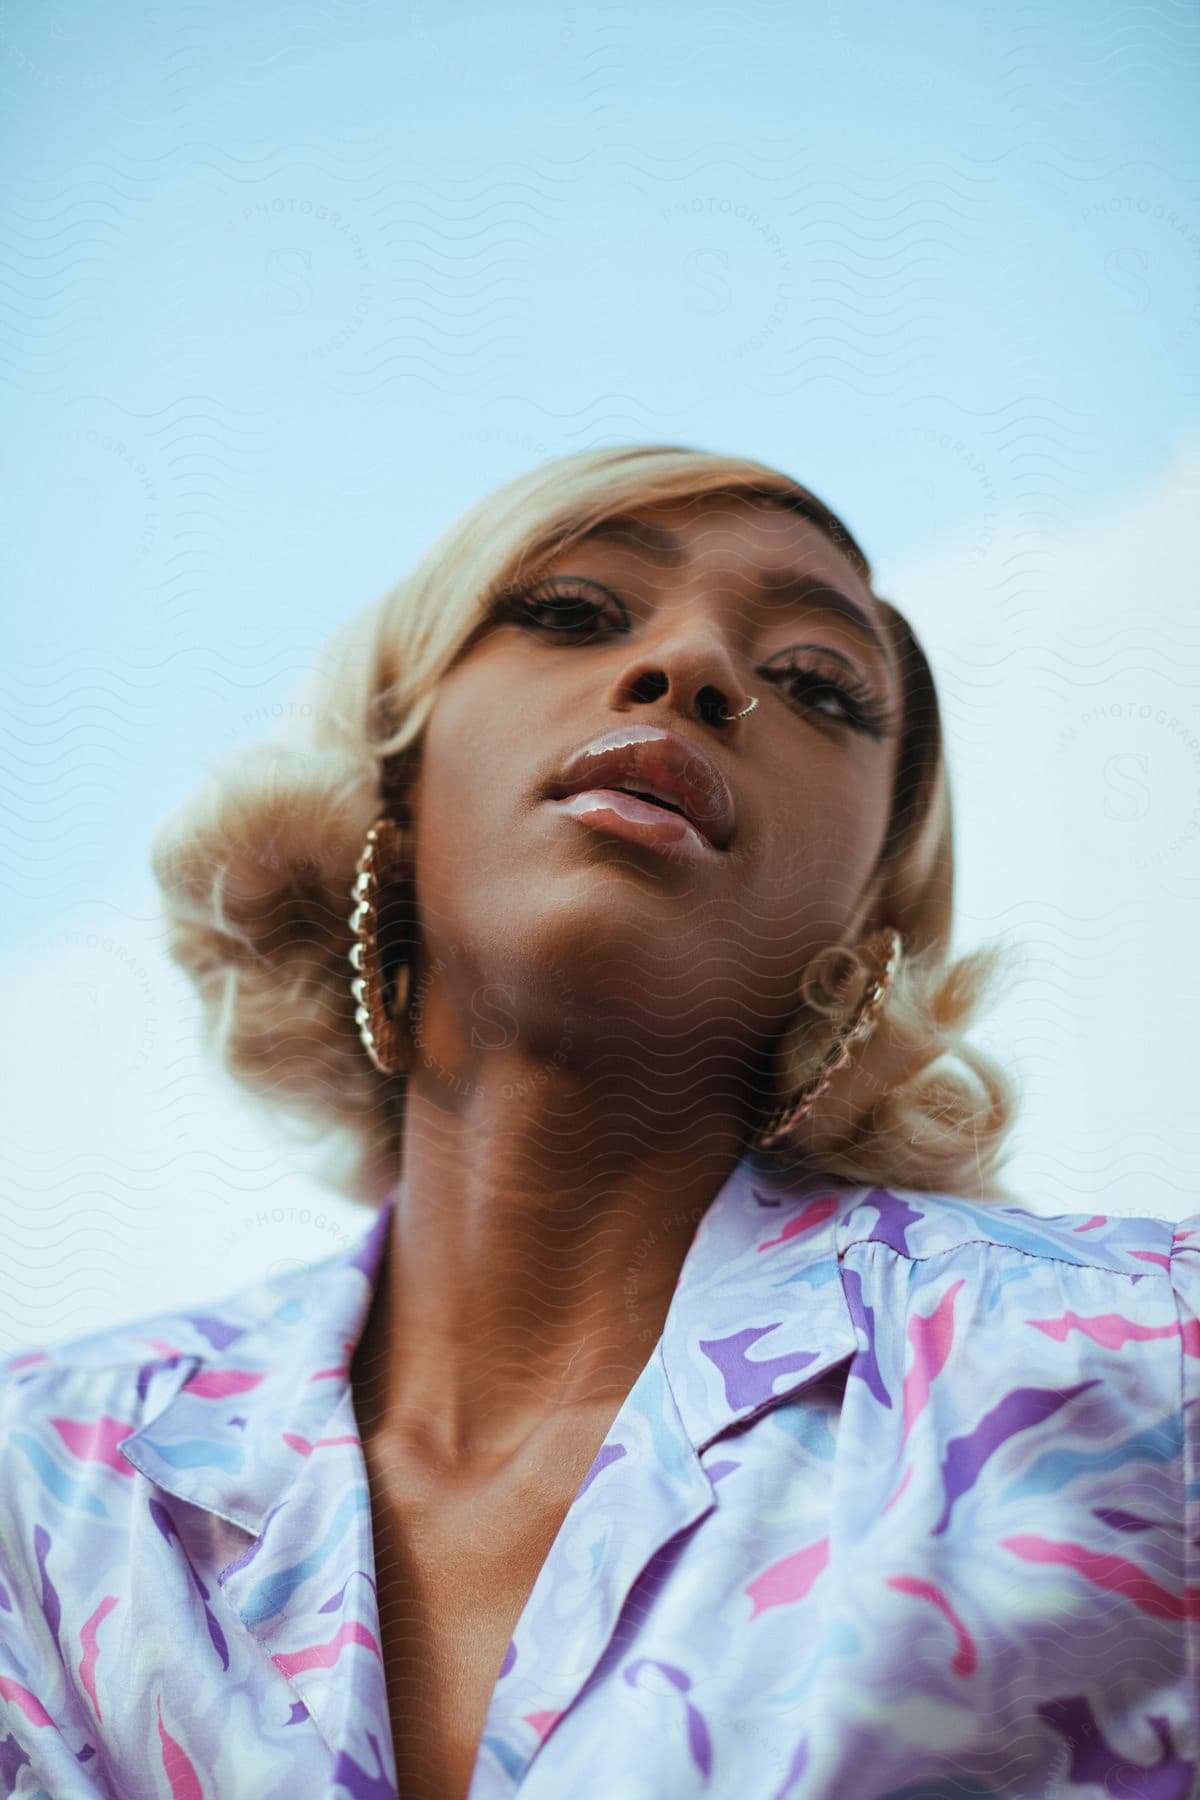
(691, 1418)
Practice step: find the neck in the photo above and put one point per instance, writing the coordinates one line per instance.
(538, 1234)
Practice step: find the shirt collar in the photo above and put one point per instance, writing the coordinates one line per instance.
(759, 1310)
(272, 1365)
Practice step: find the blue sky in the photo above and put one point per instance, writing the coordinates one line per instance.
(286, 288)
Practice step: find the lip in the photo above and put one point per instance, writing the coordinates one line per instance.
(655, 761)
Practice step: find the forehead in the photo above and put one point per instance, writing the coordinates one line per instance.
(733, 534)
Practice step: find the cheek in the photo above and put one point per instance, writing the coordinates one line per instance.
(471, 767)
(817, 851)
(453, 736)
(446, 795)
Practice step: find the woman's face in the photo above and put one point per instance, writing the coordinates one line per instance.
(617, 908)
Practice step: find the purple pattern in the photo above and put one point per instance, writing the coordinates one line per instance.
(749, 1382)
(607, 1453)
(335, 1601)
(1020, 1410)
(50, 1604)
(1094, 1760)
(163, 1521)
(358, 1782)
(866, 1364)
(1122, 1521)
(12, 1760)
(218, 1332)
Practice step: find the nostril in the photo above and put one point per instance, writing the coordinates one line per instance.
(712, 706)
(651, 686)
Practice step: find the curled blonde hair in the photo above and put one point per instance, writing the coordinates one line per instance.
(256, 869)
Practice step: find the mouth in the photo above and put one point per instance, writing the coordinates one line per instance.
(648, 784)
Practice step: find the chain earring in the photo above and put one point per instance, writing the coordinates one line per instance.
(380, 1022)
(858, 1029)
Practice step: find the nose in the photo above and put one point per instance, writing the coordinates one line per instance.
(695, 675)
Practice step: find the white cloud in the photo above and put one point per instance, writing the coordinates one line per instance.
(1069, 665)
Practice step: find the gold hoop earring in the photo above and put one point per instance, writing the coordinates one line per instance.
(379, 1024)
(859, 1028)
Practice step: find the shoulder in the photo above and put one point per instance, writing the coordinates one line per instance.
(205, 1329)
(1074, 1294)
(129, 1346)
(920, 1226)
(1099, 1300)
(67, 1405)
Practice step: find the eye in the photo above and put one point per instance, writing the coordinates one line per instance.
(816, 681)
(575, 610)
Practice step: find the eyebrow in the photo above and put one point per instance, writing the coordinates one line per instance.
(789, 587)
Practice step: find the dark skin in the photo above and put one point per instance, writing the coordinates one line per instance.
(593, 1021)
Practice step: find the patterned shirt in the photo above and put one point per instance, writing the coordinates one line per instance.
(903, 1505)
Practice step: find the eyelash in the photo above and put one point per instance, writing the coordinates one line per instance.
(861, 710)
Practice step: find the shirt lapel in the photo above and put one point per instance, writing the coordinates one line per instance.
(263, 1434)
(758, 1313)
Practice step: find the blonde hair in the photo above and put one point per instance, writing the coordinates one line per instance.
(256, 868)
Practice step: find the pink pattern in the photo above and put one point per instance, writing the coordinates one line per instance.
(932, 1340)
(323, 1656)
(788, 1579)
(30, 1705)
(892, 1498)
(301, 1445)
(218, 1384)
(807, 1218)
(1112, 1330)
(1116, 1574)
(91, 1648)
(966, 1657)
(96, 1440)
(177, 1765)
(543, 1723)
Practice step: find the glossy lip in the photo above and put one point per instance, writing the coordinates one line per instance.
(651, 760)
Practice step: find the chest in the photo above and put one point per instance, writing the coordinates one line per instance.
(455, 1566)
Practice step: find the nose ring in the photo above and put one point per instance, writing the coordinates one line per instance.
(741, 715)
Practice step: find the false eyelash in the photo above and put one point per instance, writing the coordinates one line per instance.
(519, 606)
(863, 712)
